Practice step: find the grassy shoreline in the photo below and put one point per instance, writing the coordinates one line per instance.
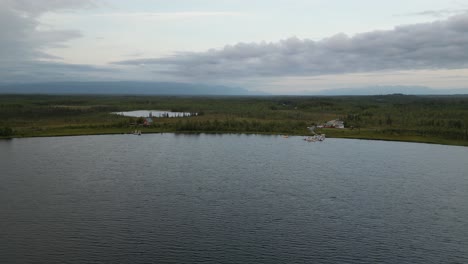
(338, 134)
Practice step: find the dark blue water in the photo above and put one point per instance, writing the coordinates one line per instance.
(231, 199)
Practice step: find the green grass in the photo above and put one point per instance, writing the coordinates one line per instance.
(375, 135)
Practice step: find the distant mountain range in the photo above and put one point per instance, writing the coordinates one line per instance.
(122, 88)
(383, 90)
(173, 88)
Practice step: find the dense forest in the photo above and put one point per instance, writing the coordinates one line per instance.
(436, 119)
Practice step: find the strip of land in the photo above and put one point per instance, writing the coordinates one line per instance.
(429, 119)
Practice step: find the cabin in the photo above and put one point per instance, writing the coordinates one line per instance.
(148, 121)
(334, 124)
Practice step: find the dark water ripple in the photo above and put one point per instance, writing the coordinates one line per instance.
(231, 199)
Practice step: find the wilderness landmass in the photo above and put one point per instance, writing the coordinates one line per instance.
(429, 119)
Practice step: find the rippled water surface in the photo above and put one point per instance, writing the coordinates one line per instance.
(231, 199)
(154, 113)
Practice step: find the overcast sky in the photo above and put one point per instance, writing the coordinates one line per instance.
(277, 46)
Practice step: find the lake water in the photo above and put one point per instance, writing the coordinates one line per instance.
(155, 113)
(167, 198)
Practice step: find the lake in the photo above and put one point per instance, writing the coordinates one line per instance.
(169, 198)
(154, 113)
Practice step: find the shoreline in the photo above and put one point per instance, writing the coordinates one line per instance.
(434, 141)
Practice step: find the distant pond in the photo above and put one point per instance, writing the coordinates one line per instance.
(155, 113)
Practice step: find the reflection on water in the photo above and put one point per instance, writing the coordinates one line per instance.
(154, 113)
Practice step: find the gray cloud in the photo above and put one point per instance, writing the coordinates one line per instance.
(438, 13)
(20, 37)
(37, 7)
(22, 43)
(441, 44)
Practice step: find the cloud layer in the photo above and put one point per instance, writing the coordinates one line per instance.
(22, 42)
(439, 45)
(170, 15)
(43, 71)
(439, 13)
(20, 37)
